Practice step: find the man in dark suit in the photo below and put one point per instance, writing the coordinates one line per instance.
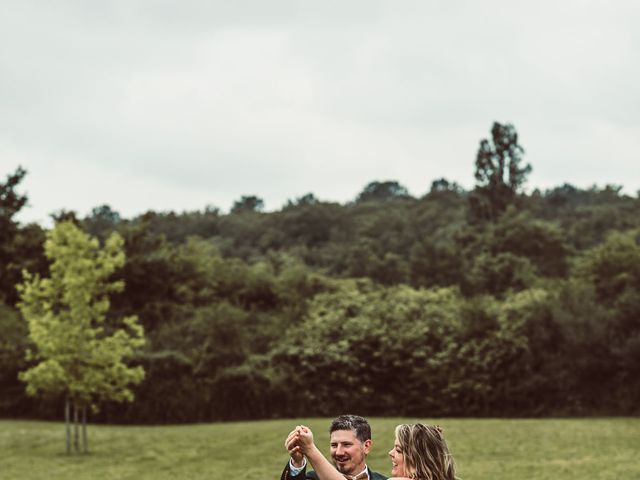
(350, 444)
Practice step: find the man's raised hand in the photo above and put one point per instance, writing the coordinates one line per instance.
(293, 447)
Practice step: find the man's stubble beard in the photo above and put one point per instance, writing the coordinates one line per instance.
(335, 464)
(352, 467)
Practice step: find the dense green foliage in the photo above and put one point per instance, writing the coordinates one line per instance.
(389, 304)
(484, 449)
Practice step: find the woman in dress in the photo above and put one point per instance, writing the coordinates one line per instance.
(420, 452)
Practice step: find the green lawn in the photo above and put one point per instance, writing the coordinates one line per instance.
(485, 449)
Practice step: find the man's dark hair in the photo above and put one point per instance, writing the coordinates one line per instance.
(358, 424)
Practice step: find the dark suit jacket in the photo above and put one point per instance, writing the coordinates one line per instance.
(311, 475)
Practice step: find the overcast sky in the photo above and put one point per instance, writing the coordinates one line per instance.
(166, 105)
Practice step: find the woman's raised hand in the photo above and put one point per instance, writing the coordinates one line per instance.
(304, 438)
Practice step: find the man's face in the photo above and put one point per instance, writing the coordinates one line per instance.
(349, 454)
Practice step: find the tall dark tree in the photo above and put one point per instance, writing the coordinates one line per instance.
(499, 172)
(11, 202)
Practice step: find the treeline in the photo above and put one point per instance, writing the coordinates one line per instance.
(481, 302)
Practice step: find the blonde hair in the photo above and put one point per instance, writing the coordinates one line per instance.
(426, 454)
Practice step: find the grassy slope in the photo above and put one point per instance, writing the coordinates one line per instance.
(485, 449)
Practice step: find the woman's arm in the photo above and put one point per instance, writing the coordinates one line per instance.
(321, 465)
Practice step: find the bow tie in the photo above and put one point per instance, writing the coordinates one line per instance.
(360, 476)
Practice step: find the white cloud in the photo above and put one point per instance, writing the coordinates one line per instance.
(154, 105)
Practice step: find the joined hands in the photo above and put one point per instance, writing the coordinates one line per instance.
(298, 443)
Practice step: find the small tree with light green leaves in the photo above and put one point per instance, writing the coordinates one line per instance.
(78, 353)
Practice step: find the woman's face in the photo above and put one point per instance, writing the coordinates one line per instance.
(397, 460)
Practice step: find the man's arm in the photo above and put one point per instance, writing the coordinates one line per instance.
(288, 474)
(296, 466)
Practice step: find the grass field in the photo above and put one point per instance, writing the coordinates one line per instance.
(485, 449)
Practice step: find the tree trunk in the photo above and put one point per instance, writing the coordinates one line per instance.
(67, 420)
(76, 446)
(85, 443)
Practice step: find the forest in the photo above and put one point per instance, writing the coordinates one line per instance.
(483, 302)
